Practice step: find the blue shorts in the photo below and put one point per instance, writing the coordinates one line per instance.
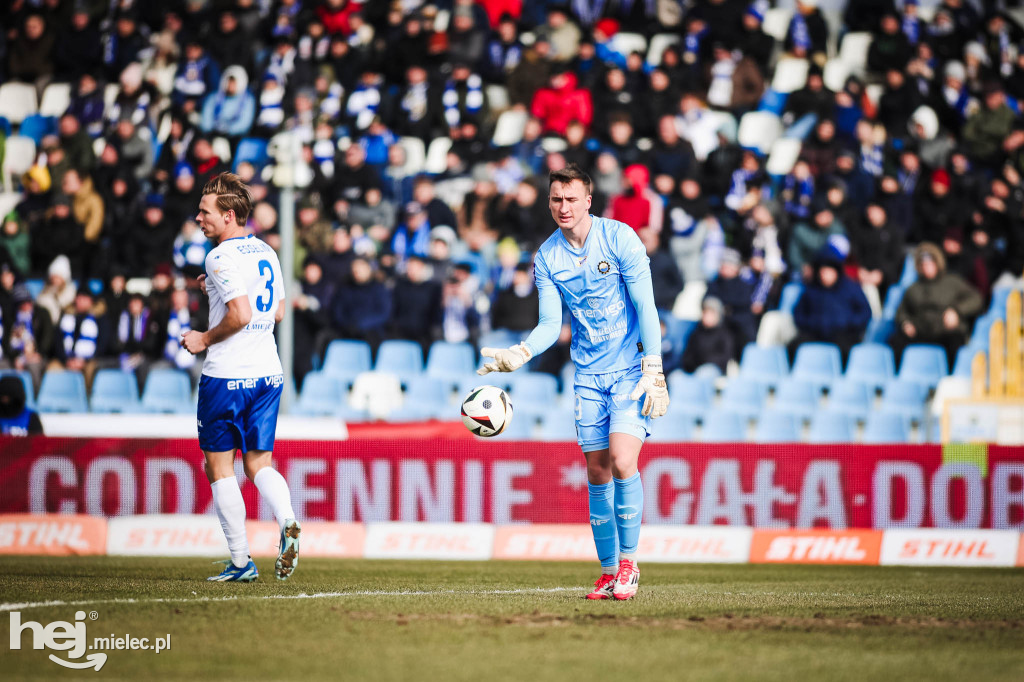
(603, 406)
(238, 414)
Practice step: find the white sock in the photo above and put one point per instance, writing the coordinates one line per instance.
(274, 490)
(227, 500)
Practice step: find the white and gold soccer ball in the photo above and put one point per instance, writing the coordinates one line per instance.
(486, 411)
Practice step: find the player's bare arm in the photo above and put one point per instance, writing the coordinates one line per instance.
(238, 315)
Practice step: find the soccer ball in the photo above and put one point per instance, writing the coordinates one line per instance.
(486, 411)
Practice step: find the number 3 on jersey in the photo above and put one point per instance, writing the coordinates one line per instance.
(264, 305)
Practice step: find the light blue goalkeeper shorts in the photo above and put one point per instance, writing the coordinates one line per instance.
(603, 406)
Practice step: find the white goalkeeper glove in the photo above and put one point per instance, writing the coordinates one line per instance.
(652, 384)
(505, 359)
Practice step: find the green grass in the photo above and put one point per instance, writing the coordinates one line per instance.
(688, 622)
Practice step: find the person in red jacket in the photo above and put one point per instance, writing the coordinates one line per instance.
(561, 103)
(334, 14)
(497, 8)
(638, 206)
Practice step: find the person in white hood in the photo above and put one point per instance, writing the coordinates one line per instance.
(230, 111)
(934, 144)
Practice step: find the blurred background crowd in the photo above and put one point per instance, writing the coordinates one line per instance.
(866, 157)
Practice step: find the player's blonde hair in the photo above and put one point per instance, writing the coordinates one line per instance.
(232, 195)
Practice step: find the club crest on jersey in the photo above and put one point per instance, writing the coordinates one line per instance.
(604, 267)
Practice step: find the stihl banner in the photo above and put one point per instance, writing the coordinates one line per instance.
(444, 480)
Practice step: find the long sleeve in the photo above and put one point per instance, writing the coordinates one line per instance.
(641, 291)
(550, 322)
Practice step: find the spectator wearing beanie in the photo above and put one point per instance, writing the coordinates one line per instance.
(938, 212)
(810, 236)
(735, 287)
(832, 307)
(985, 130)
(711, 342)
(877, 248)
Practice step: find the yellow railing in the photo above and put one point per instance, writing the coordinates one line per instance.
(1001, 374)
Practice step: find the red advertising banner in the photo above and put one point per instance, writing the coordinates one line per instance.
(470, 480)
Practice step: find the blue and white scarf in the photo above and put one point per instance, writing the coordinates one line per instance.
(363, 104)
(179, 323)
(132, 327)
(799, 33)
(25, 340)
(79, 336)
(912, 29)
(588, 11)
(474, 99)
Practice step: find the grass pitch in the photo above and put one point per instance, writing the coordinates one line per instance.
(381, 620)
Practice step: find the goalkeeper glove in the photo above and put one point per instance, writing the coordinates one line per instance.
(652, 384)
(505, 359)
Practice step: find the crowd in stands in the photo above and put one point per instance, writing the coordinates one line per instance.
(919, 151)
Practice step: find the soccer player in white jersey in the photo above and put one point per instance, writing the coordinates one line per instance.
(600, 270)
(240, 389)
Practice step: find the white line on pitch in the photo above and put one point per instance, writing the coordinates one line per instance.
(318, 595)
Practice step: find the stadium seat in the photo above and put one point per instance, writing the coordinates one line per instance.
(378, 393)
(759, 130)
(872, 364)
(744, 397)
(678, 429)
(5, 126)
(849, 397)
(982, 327)
(659, 43)
(790, 296)
(533, 393)
(19, 155)
(321, 395)
(783, 156)
(819, 363)
(415, 154)
(559, 425)
(436, 161)
(689, 394)
(854, 51)
(26, 380)
(450, 361)
(776, 22)
(627, 43)
(345, 358)
(723, 427)
(925, 364)
(777, 427)
(17, 100)
(404, 358)
(429, 396)
(497, 99)
(892, 301)
(964, 359)
(8, 200)
(790, 74)
(708, 371)
(879, 330)
(252, 150)
(553, 145)
(797, 397)
(37, 127)
(831, 427)
(517, 429)
(220, 145)
(909, 274)
(56, 98)
(687, 305)
(62, 391)
(904, 397)
(764, 364)
(114, 390)
(509, 128)
(168, 391)
(885, 427)
(835, 75)
(998, 304)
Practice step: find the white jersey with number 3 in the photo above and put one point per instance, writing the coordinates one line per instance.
(244, 266)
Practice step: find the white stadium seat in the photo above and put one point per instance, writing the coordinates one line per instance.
(854, 51)
(783, 156)
(17, 100)
(688, 303)
(790, 74)
(776, 22)
(628, 43)
(415, 154)
(437, 155)
(56, 98)
(19, 154)
(835, 74)
(509, 129)
(378, 393)
(759, 130)
(659, 43)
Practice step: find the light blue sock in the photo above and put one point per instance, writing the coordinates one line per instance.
(629, 511)
(602, 523)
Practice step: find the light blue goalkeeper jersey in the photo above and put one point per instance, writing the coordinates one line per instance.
(607, 287)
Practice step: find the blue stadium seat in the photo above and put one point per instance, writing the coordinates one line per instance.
(879, 330)
(872, 364)
(723, 427)
(26, 380)
(321, 395)
(892, 301)
(904, 397)
(559, 425)
(114, 390)
(533, 393)
(708, 371)
(982, 326)
(744, 397)
(5, 126)
(37, 127)
(926, 364)
(797, 397)
(253, 150)
(496, 338)
(886, 427)
(998, 304)
(819, 363)
(451, 360)
(909, 274)
(764, 364)
(789, 297)
(688, 394)
(346, 358)
(777, 427)
(567, 377)
(678, 429)
(168, 391)
(426, 397)
(517, 429)
(468, 382)
(62, 392)
(964, 358)
(831, 427)
(850, 397)
(402, 358)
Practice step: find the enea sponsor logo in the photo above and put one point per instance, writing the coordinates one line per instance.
(816, 547)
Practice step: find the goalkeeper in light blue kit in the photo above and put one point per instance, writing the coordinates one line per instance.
(600, 269)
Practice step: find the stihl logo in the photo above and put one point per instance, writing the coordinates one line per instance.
(811, 548)
(946, 549)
